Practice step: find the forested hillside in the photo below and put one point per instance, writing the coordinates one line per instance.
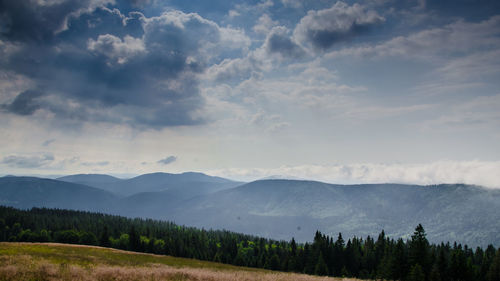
(277, 209)
(383, 257)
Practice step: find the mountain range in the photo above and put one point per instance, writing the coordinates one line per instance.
(274, 208)
(196, 183)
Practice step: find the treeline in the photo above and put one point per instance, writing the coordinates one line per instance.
(383, 258)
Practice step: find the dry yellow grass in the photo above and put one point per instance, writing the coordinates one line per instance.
(55, 262)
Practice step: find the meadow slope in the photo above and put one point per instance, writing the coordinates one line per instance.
(51, 261)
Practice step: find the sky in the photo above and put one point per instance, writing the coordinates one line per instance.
(340, 91)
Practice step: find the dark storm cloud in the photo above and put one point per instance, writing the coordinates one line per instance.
(278, 42)
(27, 21)
(93, 63)
(28, 161)
(168, 160)
(323, 28)
(39, 20)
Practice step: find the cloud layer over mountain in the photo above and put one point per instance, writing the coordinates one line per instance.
(468, 172)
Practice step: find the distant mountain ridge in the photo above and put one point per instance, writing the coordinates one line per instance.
(27, 192)
(152, 182)
(276, 208)
(288, 208)
(94, 180)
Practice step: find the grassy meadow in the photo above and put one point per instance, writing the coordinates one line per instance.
(50, 261)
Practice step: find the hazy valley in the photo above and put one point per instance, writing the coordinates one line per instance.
(278, 209)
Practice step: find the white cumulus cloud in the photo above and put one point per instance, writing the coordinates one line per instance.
(115, 48)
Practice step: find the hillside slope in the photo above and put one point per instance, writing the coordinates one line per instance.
(50, 261)
(283, 209)
(95, 180)
(27, 192)
(280, 209)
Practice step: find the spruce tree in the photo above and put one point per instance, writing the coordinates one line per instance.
(419, 249)
(273, 263)
(134, 239)
(292, 260)
(494, 271)
(435, 276)
(344, 272)
(104, 239)
(416, 273)
(293, 247)
(337, 261)
(442, 263)
(321, 268)
(399, 260)
(3, 232)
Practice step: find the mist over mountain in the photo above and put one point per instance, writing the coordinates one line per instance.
(276, 208)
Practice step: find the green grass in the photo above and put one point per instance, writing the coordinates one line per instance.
(58, 262)
(88, 256)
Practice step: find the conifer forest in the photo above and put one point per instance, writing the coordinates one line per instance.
(378, 257)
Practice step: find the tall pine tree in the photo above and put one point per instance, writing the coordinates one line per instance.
(494, 271)
(419, 249)
(134, 239)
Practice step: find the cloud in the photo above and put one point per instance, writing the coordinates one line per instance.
(104, 66)
(272, 123)
(302, 89)
(48, 142)
(264, 24)
(233, 14)
(265, 4)
(116, 48)
(463, 57)
(167, 160)
(19, 161)
(91, 164)
(256, 62)
(231, 68)
(278, 127)
(278, 42)
(140, 3)
(39, 21)
(292, 3)
(313, 88)
(471, 115)
(231, 38)
(26, 103)
(277, 46)
(477, 65)
(481, 173)
(322, 29)
(250, 8)
(454, 39)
